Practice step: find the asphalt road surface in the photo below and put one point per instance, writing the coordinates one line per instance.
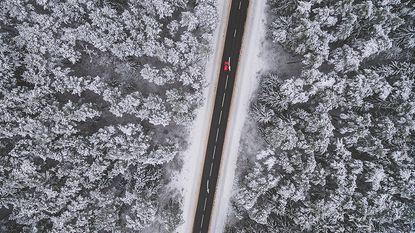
(219, 121)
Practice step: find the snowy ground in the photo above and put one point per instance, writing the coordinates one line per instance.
(245, 85)
(188, 181)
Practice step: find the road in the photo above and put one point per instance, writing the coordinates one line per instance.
(233, 42)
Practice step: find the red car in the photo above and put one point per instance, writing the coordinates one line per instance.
(227, 65)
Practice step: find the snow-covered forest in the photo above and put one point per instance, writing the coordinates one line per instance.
(336, 144)
(95, 101)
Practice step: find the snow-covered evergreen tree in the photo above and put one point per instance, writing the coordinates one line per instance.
(338, 152)
(88, 90)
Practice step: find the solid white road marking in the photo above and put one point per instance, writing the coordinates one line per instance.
(234, 33)
(220, 116)
(226, 84)
(223, 99)
(239, 7)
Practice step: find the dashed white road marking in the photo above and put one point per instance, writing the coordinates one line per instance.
(223, 98)
(220, 116)
(234, 33)
(204, 206)
(201, 223)
(207, 186)
(239, 7)
(214, 151)
(226, 84)
(211, 166)
(217, 134)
